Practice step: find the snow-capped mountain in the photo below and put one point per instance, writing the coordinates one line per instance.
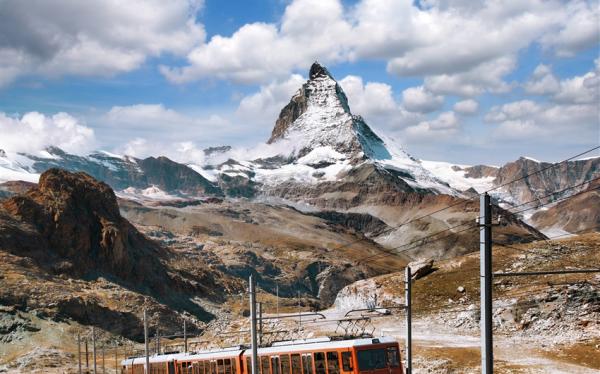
(120, 172)
(319, 155)
(318, 146)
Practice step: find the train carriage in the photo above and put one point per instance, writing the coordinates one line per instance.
(314, 356)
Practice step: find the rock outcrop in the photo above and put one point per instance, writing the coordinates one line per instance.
(76, 219)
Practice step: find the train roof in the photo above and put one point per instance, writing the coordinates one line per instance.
(279, 347)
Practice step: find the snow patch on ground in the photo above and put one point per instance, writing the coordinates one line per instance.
(150, 193)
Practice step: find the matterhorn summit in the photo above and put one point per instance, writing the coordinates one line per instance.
(318, 116)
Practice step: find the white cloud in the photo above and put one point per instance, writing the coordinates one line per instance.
(579, 31)
(443, 40)
(261, 52)
(264, 106)
(375, 102)
(466, 107)
(34, 132)
(370, 99)
(150, 117)
(444, 125)
(488, 76)
(542, 82)
(512, 111)
(92, 38)
(418, 99)
(184, 152)
(581, 89)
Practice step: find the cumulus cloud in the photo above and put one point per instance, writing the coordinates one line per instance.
(183, 151)
(264, 105)
(370, 99)
(375, 102)
(444, 125)
(151, 117)
(393, 31)
(33, 132)
(418, 99)
(512, 111)
(486, 77)
(92, 38)
(581, 89)
(259, 52)
(542, 81)
(466, 107)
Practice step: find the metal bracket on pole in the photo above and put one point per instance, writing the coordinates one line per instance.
(254, 342)
(408, 301)
(485, 273)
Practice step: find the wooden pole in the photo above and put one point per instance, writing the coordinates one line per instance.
(79, 353)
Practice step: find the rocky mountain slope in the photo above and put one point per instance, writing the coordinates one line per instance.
(547, 185)
(70, 258)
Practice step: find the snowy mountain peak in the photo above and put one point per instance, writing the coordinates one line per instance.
(318, 115)
(317, 70)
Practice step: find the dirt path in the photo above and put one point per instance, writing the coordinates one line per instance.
(513, 354)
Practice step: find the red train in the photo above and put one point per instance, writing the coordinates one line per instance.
(313, 356)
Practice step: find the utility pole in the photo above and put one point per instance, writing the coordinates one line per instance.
(158, 333)
(185, 347)
(78, 353)
(408, 301)
(87, 361)
(485, 274)
(299, 316)
(260, 324)
(253, 326)
(94, 347)
(147, 366)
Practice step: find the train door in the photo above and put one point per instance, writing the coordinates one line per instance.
(347, 362)
(393, 360)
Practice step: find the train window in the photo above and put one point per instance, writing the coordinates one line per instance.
(347, 361)
(392, 357)
(307, 364)
(333, 364)
(320, 363)
(275, 365)
(296, 364)
(264, 365)
(285, 364)
(227, 363)
(371, 359)
(220, 367)
(213, 367)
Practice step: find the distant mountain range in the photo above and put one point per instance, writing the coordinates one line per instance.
(319, 156)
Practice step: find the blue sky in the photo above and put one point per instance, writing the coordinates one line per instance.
(461, 81)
